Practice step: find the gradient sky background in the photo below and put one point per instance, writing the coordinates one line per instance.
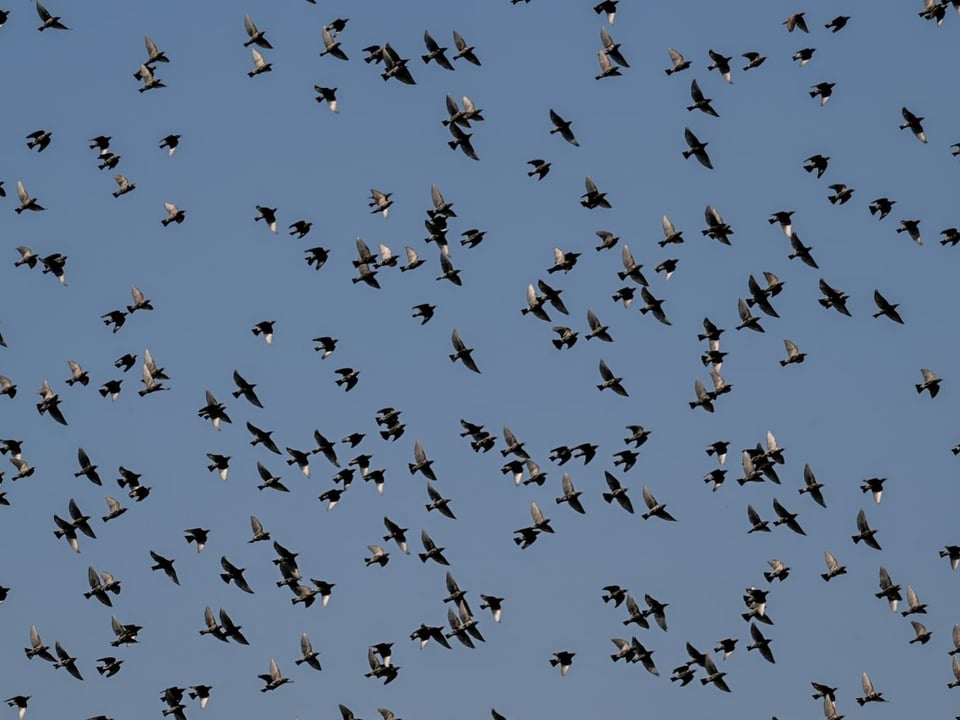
(850, 410)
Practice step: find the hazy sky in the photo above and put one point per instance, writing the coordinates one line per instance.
(850, 410)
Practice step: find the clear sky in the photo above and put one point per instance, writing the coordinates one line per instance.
(850, 411)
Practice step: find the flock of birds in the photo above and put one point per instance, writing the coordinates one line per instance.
(351, 459)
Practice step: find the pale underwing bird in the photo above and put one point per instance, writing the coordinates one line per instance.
(464, 50)
(914, 606)
(677, 62)
(794, 356)
(274, 678)
(380, 202)
(331, 46)
(796, 22)
(26, 202)
(256, 36)
(714, 675)
(631, 268)
(174, 214)
(593, 198)
(307, 654)
(931, 383)
(869, 694)
(612, 48)
(150, 81)
(607, 69)
(260, 65)
(571, 496)
(654, 508)
(833, 567)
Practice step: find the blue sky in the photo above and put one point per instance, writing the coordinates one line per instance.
(850, 410)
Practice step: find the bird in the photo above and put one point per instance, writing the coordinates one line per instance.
(869, 694)
(697, 148)
(255, 35)
(65, 661)
(246, 389)
(833, 567)
(260, 65)
(329, 96)
(571, 496)
(48, 21)
(754, 60)
(26, 202)
(610, 381)
(785, 517)
(812, 487)
(824, 90)
(886, 308)
(539, 167)
(265, 328)
(866, 533)
(435, 52)
(39, 139)
(273, 679)
(653, 305)
(882, 205)
(912, 228)
(677, 62)
(174, 214)
(700, 102)
(654, 508)
(796, 22)
(714, 675)
(931, 383)
(462, 353)
(716, 227)
(838, 23)
(563, 658)
(308, 654)
(617, 492)
(380, 202)
(431, 550)
(593, 198)
(914, 122)
(756, 524)
(608, 7)
(197, 536)
(165, 564)
(804, 55)
(563, 127)
(263, 437)
(607, 69)
(914, 606)
(150, 81)
(794, 356)
(611, 48)
(760, 643)
(331, 46)
(834, 298)
(817, 162)
(721, 64)
(171, 143)
(464, 50)
(19, 702)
